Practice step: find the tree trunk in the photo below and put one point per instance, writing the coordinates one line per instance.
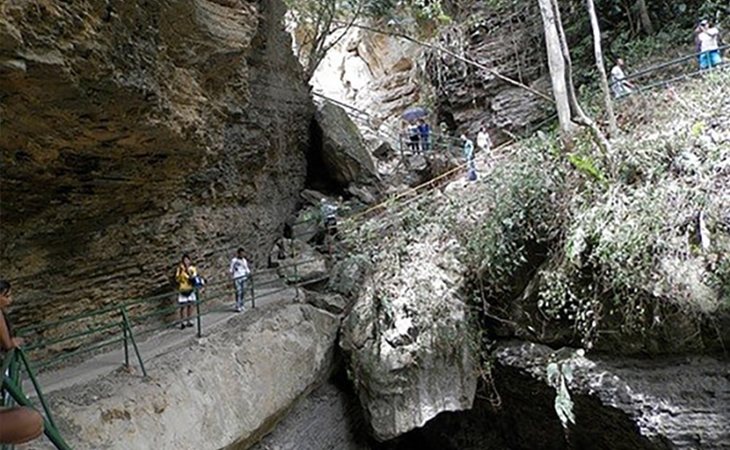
(577, 114)
(558, 75)
(598, 50)
(644, 17)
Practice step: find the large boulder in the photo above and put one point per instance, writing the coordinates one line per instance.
(343, 152)
(348, 275)
(298, 261)
(230, 388)
(307, 224)
(408, 338)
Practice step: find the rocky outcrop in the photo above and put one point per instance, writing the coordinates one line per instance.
(349, 275)
(507, 38)
(231, 387)
(344, 155)
(375, 73)
(646, 402)
(300, 261)
(408, 340)
(628, 404)
(133, 133)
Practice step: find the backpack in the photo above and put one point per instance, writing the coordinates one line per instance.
(197, 281)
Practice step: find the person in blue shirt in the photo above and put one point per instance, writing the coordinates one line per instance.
(468, 149)
(424, 133)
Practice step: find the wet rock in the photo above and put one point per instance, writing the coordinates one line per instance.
(343, 149)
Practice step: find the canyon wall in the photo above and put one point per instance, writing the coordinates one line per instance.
(135, 131)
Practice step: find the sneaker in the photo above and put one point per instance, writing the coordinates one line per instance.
(189, 324)
(182, 325)
(238, 309)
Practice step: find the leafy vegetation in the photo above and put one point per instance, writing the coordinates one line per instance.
(626, 249)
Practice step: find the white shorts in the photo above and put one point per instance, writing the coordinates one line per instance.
(184, 299)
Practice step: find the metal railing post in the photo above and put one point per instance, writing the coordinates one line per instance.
(36, 386)
(49, 428)
(197, 312)
(253, 292)
(126, 338)
(128, 328)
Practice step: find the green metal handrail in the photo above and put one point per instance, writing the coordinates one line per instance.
(12, 385)
(97, 335)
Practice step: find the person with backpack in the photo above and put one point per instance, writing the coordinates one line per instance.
(17, 424)
(240, 272)
(188, 281)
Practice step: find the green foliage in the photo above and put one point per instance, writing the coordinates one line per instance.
(525, 216)
(586, 165)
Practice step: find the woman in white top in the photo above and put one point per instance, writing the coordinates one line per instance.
(709, 46)
(239, 272)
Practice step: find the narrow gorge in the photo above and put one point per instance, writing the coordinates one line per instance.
(567, 296)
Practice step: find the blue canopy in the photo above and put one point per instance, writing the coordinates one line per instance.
(415, 113)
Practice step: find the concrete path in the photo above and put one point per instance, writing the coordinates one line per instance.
(150, 345)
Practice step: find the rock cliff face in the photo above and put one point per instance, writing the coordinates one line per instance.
(378, 75)
(507, 39)
(677, 403)
(135, 131)
(408, 340)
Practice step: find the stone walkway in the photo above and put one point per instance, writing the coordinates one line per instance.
(150, 345)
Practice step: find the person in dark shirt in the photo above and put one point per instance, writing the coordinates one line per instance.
(424, 134)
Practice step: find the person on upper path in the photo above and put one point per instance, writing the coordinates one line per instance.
(620, 86)
(424, 133)
(186, 275)
(484, 142)
(17, 424)
(328, 212)
(709, 42)
(413, 138)
(468, 150)
(239, 272)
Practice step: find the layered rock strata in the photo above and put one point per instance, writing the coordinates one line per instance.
(133, 132)
(677, 403)
(508, 39)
